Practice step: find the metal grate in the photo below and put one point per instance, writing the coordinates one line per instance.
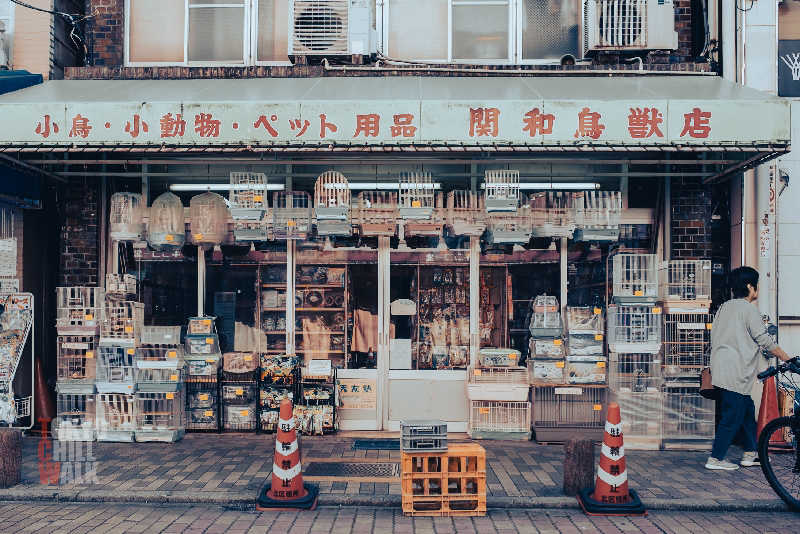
(619, 23)
(686, 280)
(687, 343)
(320, 27)
(634, 329)
(502, 190)
(344, 469)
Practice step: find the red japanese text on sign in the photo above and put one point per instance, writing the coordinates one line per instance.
(484, 122)
(298, 124)
(368, 124)
(266, 124)
(80, 127)
(538, 123)
(324, 125)
(697, 124)
(173, 126)
(643, 123)
(206, 126)
(403, 126)
(133, 128)
(44, 129)
(589, 124)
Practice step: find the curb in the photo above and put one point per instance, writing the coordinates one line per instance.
(246, 500)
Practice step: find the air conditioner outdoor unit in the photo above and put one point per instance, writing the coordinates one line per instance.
(630, 25)
(332, 27)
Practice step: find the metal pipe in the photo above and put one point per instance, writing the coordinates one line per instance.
(359, 160)
(201, 281)
(31, 168)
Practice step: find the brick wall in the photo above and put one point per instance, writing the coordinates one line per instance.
(683, 24)
(105, 32)
(79, 234)
(691, 219)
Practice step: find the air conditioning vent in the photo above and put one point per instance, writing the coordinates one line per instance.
(321, 27)
(631, 25)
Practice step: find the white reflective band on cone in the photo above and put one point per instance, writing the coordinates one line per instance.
(611, 428)
(612, 480)
(287, 450)
(282, 423)
(286, 474)
(607, 452)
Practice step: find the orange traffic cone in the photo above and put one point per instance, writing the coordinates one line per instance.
(610, 495)
(769, 411)
(287, 491)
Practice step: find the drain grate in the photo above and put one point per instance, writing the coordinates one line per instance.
(340, 469)
(377, 444)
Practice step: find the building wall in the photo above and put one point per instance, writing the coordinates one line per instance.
(79, 234)
(691, 219)
(32, 38)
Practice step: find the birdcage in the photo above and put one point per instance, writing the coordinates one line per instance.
(545, 370)
(166, 228)
(8, 257)
(239, 418)
(247, 195)
(560, 412)
(466, 213)
(498, 384)
(115, 369)
(417, 195)
(597, 215)
(78, 310)
(209, 219)
(75, 417)
(160, 416)
(123, 285)
(376, 213)
(291, 215)
(509, 228)
(688, 418)
(633, 329)
(553, 213)
(687, 343)
(642, 417)
(585, 320)
(76, 363)
(585, 369)
(126, 217)
(116, 417)
(502, 190)
(636, 373)
(332, 204)
(500, 420)
(122, 323)
(157, 379)
(546, 317)
(635, 279)
(202, 404)
(686, 285)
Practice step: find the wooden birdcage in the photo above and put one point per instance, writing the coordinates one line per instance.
(166, 228)
(247, 195)
(209, 215)
(332, 204)
(377, 213)
(466, 213)
(417, 195)
(502, 190)
(125, 219)
(597, 215)
(553, 213)
(291, 215)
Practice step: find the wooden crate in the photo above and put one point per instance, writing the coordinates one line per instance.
(459, 458)
(444, 506)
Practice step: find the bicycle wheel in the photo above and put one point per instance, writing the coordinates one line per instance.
(781, 467)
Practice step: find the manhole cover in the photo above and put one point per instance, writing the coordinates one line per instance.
(330, 469)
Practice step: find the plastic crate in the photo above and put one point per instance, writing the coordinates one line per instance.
(200, 326)
(687, 343)
(546, 317)
(561, 412)
(499, 384)
(75, 417)
(635, 278)
(634, 329)
(688, 417)
(686, 285)
(635, 373)
(159, 357)
(550, 348)
(500, 420)
(116, 369)
(546, 371)
(160, 416)
(76, 362)
(116, 417)
(201, 345)
(279, 369)
(423, 436)
(489, 357)
(588, 345)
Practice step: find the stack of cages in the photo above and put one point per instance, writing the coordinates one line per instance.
(546, 363)
(279, 379)
(249, 206)
(202, 356)
(120, 333)
(160, 372)
(16, 325)
(418, 205)
(552, 213)
(509, 221)
(444, 484)
(597, 215)
(586, 360)
(79, 311)
(332, 204)
(498, 393)
(291, 215)
(466, 213)
(239, 392)
(376, 213)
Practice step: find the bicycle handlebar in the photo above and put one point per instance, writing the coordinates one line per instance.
(790, 366)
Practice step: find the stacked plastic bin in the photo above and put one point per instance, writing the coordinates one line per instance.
(634, 343)
(202, 357)
(586, 360)
(498, 394)
(547, 350)
(78, 326)
(278, 380)
(159, 385)
(239, 392)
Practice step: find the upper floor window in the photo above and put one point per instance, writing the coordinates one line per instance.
(206, 32)
(7, 33)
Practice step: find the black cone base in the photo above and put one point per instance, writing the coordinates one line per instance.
(590, 506)
(309, 502)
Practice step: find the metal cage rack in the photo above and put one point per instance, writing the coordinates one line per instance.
(634, 329)
(687, 343)
(597, 215)
(160, 416)
(466, 213)
(76, 363)
(563, 411)
(635, 373)
(291, 215)
(552, 213)
(500, 420)
(79, 310)
(75, 417)
(115, 369)
(686, 285)
(688, 418)
(116, 417)
(502, 190)
(239, 417)
(635, 279)
(332, 204)
(376, 213)
(202, 407)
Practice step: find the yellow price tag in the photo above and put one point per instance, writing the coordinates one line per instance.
(169, 238)
(88, 317)
(291, 223)
(203, 396)
(172, 354)
(483, 410)
(638, 293)
(244, 413)
(248, 357)
(208, 413)
(128, 329)
(89, 354)
(597, 407)
(598, 311)
(557, 342)
(131, 351)
(478, 372)
(207, 322)
(173, 378)
(416, 204)
(598, 337)
(211, 361)
(240, 391)
(512, 356)
(656, 311)
(601, 364)
(560, 365)
(209, 341)
(170, 396)
(198, 237)
(708, 326)
(258, 198)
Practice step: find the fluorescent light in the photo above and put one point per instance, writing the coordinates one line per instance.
(385, 186)
(555, 186)
(225, 187)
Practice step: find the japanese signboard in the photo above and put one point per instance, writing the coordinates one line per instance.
(357, 394)
(388, 122)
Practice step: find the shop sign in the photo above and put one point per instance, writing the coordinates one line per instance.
(538, 122)
(357, 394)
(789, 67)
(764, 241)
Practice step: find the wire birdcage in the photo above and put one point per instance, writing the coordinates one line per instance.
(502, 190)
(115, 369)
(688, 418)
(78, 310)
(417, 195)
(553, 213)
(209, 219)
(332, 204)
(597, 215)
(121, 284)
(499, 419)
(116, 417)
(75, 417)
(122, 323)
(686, 284)
(498, 384)
(635, 278)
(634, 329)
(160, 416)
(687, 343)
(159, 360)
(247, 195)
(376, 213)
(166, 228)
(585, 320)
(466, 213)
(510, 227)
(558, 411)
(76, 359)
(126, 217)
(636, 373)
(291, 215)
(202, 405)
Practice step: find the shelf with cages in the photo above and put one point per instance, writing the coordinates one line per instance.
(79, 310)
(635, 279)
(76, 363)
(159, 360)
(116, 417)
(564, 411)
(116, 369)
(75, 417)
(491, 419)
(239, 392)
(376, 213)
(160, 416)
(332, 204)
(498, 384)
(201, 351)
(687, 343)
(202, 407)
(634, 329)
(688, 417)
(686, 285)
(122, 323)
(597, 215)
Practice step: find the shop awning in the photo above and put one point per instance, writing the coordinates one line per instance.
(569, 114)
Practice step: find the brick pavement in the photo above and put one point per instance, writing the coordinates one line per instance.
(111, 518)
(238, 464)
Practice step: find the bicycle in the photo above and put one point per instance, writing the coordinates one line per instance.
(781, 465)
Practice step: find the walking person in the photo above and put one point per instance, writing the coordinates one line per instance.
(738, 337)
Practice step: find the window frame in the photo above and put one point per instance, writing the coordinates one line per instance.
(249, 38)
(10, 31)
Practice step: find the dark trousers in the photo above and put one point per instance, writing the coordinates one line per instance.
(738, 417)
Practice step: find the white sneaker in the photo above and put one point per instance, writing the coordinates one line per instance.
(750, 459)
(720, 465)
